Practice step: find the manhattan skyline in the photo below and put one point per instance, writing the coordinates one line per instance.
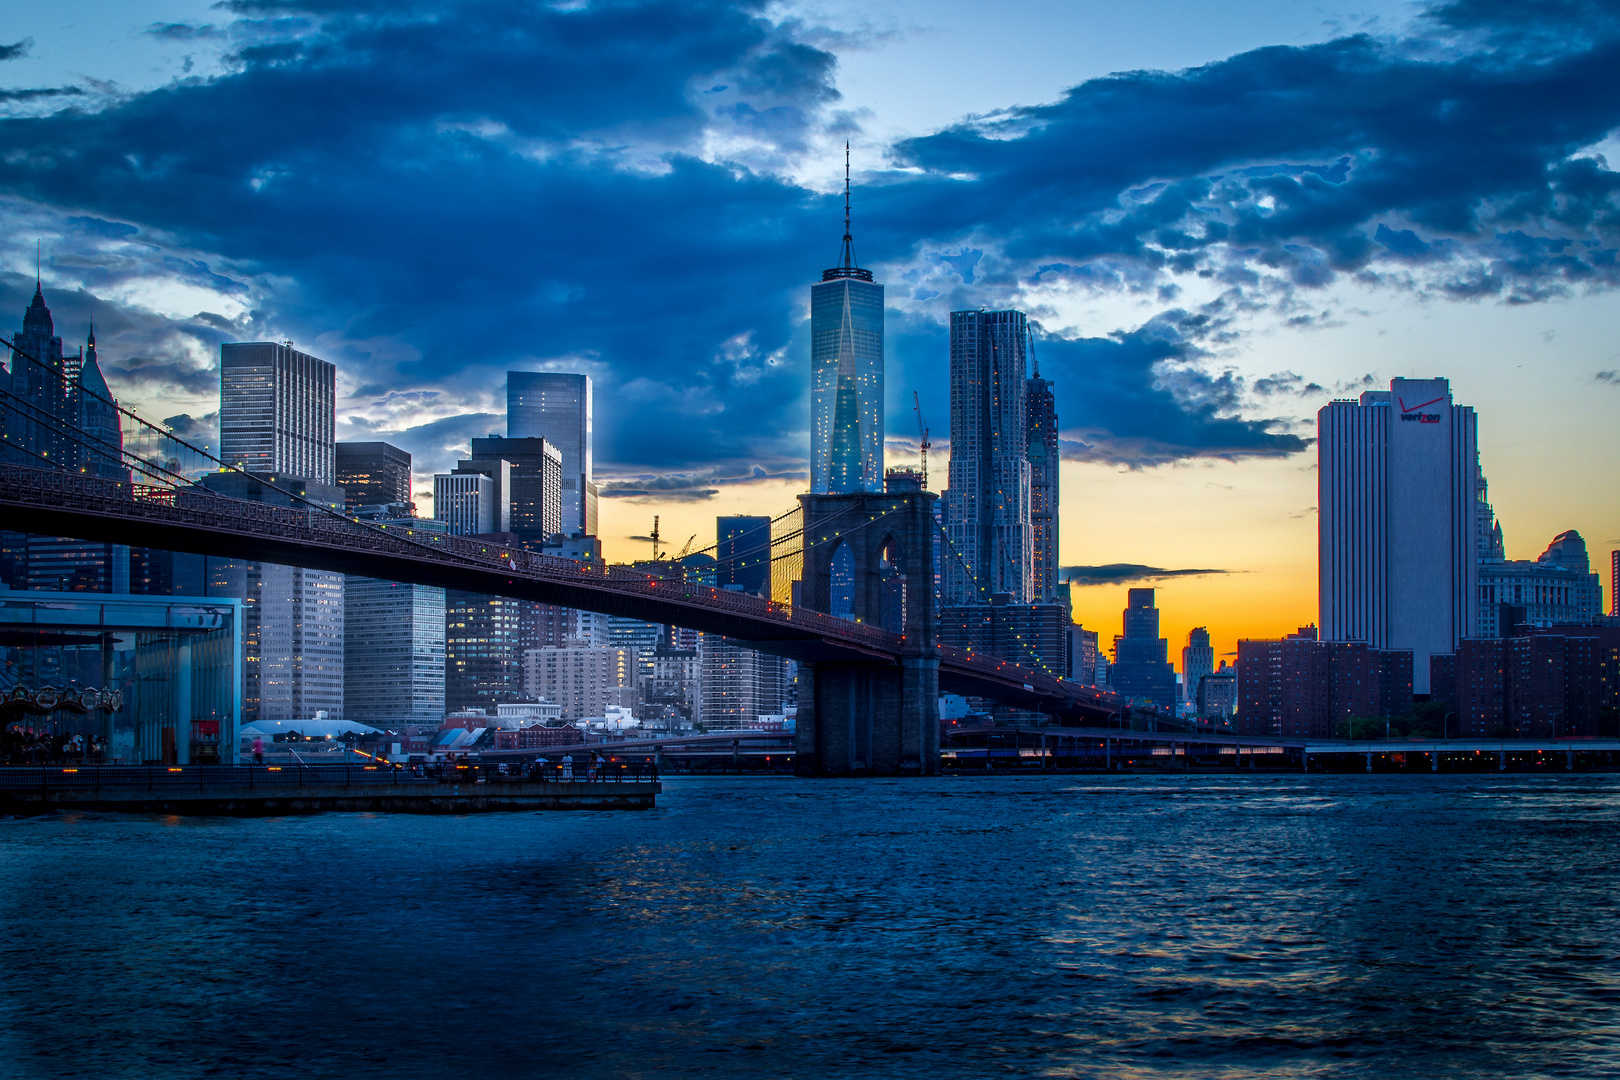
(1203, 282)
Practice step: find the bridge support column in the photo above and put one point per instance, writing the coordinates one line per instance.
(1501, 761)
(1434, 761)
(868, 719)
(1369, 761)
(1569, 760)
(877, 717)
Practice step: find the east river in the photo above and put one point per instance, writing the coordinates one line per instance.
(1274, 926)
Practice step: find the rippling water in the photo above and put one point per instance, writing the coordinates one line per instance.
(1285, 926)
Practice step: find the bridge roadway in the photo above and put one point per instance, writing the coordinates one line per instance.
(202, 522)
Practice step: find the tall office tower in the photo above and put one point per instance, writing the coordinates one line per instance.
(743, 553)
(1398, 545)
(1614, 583)
(293, 622)
(393, 657)
(277, 410)
(987, 508)
(1141, 670)
(1197, 660)
(374, 474)
(483, 664)
(277, 416)
(739, 685)
(467, 502)
(556, 407)
(846, 374)
(534, 485)
(1041, 428)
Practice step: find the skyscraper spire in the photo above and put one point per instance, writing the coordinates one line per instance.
(849, 241)
(848, 267)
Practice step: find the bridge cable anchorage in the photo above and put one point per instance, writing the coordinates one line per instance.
(177, 480)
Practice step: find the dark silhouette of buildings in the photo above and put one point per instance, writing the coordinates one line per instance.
(1141, 670)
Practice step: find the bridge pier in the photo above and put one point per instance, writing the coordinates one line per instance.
(877, 717)
(1501, 761)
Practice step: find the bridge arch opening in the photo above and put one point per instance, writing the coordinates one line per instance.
(890, 577)
(841, 583)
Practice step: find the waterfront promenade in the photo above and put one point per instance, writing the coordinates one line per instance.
(252, 790)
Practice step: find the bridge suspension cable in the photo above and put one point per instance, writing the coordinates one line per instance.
(167, 472)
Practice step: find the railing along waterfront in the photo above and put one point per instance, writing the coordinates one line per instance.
(248, 777)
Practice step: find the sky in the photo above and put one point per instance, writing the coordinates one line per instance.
(1220, 216)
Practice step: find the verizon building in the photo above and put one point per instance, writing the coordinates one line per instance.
(1397, 550)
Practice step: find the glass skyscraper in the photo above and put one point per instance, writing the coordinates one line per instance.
(846, 375)
(557, 407)
(1041, 429)
(987, 507)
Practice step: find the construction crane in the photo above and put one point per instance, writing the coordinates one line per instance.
(655, 538)
(687, 550)
(922, 429)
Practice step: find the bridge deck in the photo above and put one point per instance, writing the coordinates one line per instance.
(203, 522)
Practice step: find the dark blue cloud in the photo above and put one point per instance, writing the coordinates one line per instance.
(1411, 148)
(429, 193)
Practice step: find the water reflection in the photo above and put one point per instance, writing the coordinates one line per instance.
(1080, 926)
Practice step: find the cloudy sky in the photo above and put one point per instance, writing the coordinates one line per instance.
(1222, 216)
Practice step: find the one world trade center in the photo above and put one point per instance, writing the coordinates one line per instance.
(846, 374)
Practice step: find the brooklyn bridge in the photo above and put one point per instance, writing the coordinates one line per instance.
(868, 684)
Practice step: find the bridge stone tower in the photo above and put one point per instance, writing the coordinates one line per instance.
(870, 557)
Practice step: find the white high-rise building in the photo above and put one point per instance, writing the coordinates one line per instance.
(277, 410)
(583, 680)
(466, 502)
(1398, 543)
